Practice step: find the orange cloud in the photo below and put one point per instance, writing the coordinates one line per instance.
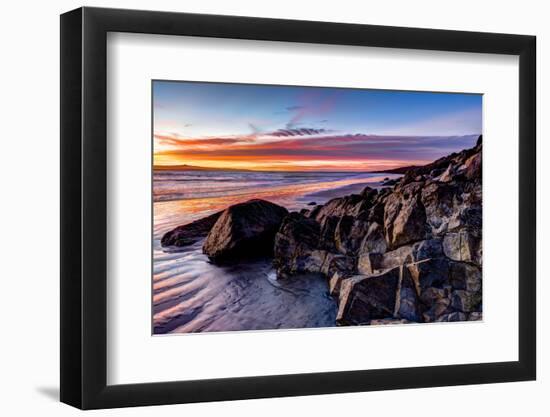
(306, 150)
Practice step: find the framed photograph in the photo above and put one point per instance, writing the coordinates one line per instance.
(257, 208)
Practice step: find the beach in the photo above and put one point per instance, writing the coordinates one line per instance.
(191, 294)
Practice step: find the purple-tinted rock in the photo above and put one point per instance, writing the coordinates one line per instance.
(190, 233)
(243, 230)
(364, 298)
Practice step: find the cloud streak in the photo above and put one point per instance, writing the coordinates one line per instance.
(297, 132)
(178, 141)
(332, 147)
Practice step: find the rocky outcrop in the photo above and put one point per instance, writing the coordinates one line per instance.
(244, 230)
(189, 233)
(409, 253)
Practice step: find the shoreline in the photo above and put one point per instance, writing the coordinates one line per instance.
(345, 190)
(169, 214)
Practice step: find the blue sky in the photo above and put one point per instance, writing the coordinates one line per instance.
(233, 117)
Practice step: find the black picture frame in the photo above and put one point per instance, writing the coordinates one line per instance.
(84, 207)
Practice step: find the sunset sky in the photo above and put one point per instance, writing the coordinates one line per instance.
(264, 127)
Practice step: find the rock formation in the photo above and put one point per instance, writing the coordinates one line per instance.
(244, 230)
(410, 253)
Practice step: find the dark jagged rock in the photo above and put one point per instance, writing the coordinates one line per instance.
(189, 233)
(443, 163)
(338, 263)
(475, 316)
(390, 182)
(335, 283)
(295, 243)
(455, 316)
(312, 214)
(465, 301)
(349, 234)
(383, 322)
(367, 297)
(351, 205)
(439, 201)
(297, 250)
(464, 245)
(407, 304)
(376, 213)
(244, 230)
(404, 216)
(419, 251)
(430, 273)
(328, 229)
(464, 276)
(479, 141)
(369, 193)
(374, 241)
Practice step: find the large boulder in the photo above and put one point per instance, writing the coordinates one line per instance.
(444, 287)
(349, 234)
(334, 284)
(244, 230)
(464, 245)
(404, 216)
(363, 298)
(376, 213)
(440, 201)
(407, 304)
(350, 205)
(448, 174)
(336, 262)
(465, 276)
(369, 193)
(465, 301)
(431, 280)
(190, 233)
(301, 247)
(467, 216)
(369, 261)
(430, 273)
(295, 244)
(327, 232)
(435, 303)
(374, 240)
